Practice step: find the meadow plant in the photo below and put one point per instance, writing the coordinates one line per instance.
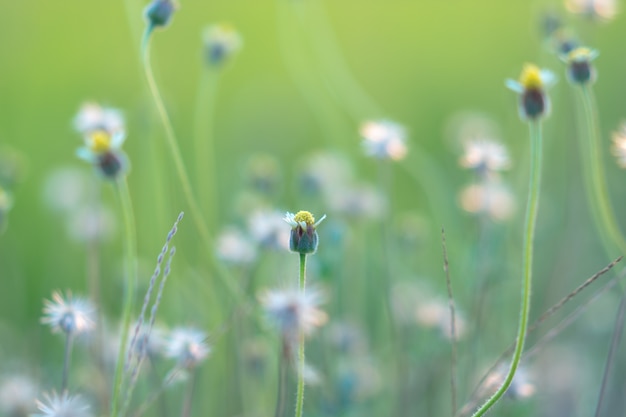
(63, 405)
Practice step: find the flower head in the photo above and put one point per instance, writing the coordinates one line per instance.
(188, 346)
(62, 405)
(484, 155)
(594, 9)
(384, 139)
(70, 315)
(104, 151)
(221, 41)
(619, 145)
(267, 228)
(160, 12)
(234, 247)
(532, 85)
(304, 237)
(293, 312)
(17, 395)
(579, 68)
(490, 198)
(93, 118)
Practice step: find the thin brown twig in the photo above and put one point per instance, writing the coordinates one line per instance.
(453, 359)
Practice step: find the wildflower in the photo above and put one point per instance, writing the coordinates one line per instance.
(594, 9)
(491, 198)
(93, 118)
(234, 247)
(160, 12)
(188, 346)
(267, 228)
(384, 139)
(17, 395)
(91, 223)
(358, 201)
(294, 312)
(62, 405)
(484, 155)
(103, 151)
(579, 68)
(304, 237)
(533, 82)
(347, 337)
(563, 42)
(70, 315)
(324, 171)
(221, 41)
(66, 189)
(619, 145)
(520, 388)
(262, 174)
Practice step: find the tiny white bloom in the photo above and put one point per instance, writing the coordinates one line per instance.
(485, 154)
(92, 117)
(292, 311)
(384, 139)
(62, 405)
(70, 315)
(188, 346)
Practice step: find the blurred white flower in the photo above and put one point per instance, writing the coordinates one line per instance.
(268, 229)
(72, 315)
(17, 395)
(188, 346)
(324, 172)
(358, 201)
(234, 247)
(221, 41)
(619, 145)
(595, 9)
(485, 155)
(491, 198)
(92, 117)
(67, 188)
(91, 224)
(384, 139)
(63, 405)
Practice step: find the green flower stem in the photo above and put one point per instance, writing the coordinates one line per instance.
(529, 233)
(300, 390)
(595, 179)
(130, 264)
(66, 360)
(180, 168)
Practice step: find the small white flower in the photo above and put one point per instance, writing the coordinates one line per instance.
(485, 155)
(491, 198)
(17, 395)
(70, 316)
(92, 117)
(595, 9)
(267, 228)
(62, 405)
(234, 247)
(291, 311)
(384, 139)
(302, 219)
(188, 346)
(91, 224)
(619, 145)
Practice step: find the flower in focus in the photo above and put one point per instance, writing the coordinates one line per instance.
(490, 198)
(17, 395)
(594, 9)
(160, 12)
(72, 315)
(104, 151)
(188, 346)
(579, 68)
(234, 247)
(484, 155)
(619, 145)
(384, 139)
(221, 41)
(531, 86)
(304, 237)
(293, 312)
(62, 405)
(94, 118)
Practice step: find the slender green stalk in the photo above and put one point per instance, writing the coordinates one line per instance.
(596, 184)
(188, 403)
(66, 360)
(529, 234)
(180, 166)
(300, 391)
(130, 264)
(282, 380)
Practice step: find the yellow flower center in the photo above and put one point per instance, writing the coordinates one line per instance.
(304, 216)
(579, 54)
(100, 142)
(531, 77)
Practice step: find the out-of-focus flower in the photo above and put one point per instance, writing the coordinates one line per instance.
(13, 167)
(304, 237)
(347, 337)
(221, 42)
(67, 189)
(17, 395)
(234, 247)
(188, 346)
(70, 315)
(262, 173)
(159, 13)
(267, 228)
(63, 405)
(563, 41)
(91, 223)
(94, 118)
(384, 139)
(531, 87)
(579, 68)
(104, 151)
(324, 172)
(358, 201)
(6, 202)
(435, 313)
(491, 198)
(485, 155)
(520, 388)
(594, 9)
(293, 312)
(619, 145)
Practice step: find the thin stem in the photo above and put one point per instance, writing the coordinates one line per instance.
(186, 411)
(597, 190)
(615, 340)
(180, 167)
(66, 360)
(529, 234)
(300, 391)
(446, 268)
(130, 263)
(282, 380)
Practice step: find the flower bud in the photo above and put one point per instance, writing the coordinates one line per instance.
(303, 237)
(159, 12)
(579, 68)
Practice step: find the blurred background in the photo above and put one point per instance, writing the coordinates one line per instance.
(282, 117)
